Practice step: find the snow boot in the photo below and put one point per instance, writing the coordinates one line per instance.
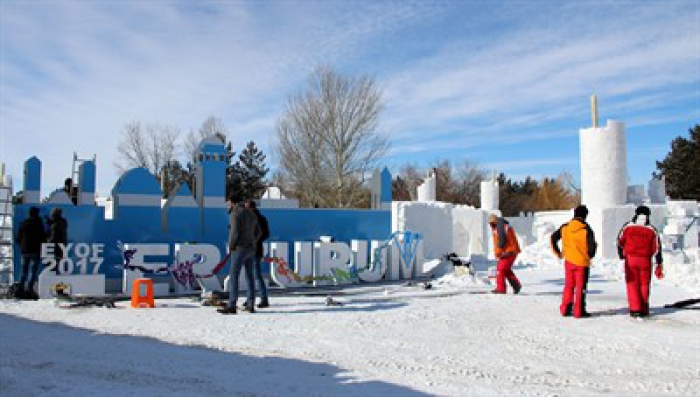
(227, 310)
(263, 304)
(566, 311)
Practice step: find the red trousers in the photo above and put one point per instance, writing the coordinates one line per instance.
(505, 271)
(638, 279)
(575, 284)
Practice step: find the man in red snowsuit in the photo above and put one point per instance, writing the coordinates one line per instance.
(639, 242)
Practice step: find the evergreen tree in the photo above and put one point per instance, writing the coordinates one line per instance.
(515, 197)
(171, 176)
(250, 170)
(681, 165)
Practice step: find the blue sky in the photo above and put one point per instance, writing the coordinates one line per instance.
(504, 84)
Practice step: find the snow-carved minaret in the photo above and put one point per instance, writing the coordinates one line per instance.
(603, 163)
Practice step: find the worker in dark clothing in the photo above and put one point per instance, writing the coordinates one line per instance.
(257, 264)
(58, 234)
(578, 248)
(30, 237)
(244, 232)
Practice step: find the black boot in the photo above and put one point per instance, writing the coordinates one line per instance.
(517, 288)
(263, 304)
(227, 310)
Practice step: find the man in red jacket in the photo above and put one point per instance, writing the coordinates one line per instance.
(639, 243)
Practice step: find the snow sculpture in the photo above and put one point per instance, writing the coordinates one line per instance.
(604, 165)
(489, 195)
(427, 190)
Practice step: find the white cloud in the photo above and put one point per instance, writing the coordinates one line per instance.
(73, 74)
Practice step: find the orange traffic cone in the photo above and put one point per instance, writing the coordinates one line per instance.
(142, 293)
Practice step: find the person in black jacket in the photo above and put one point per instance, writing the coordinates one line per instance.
(257, 266)
(243, 235)
(30, 237)
(58, 233)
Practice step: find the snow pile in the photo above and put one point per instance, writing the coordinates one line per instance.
(538, 255)
(460, 280)
(683, 269)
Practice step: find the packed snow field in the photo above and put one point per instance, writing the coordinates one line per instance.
(453, 339)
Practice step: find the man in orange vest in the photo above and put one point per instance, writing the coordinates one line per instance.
(578, 248)
(506, 249)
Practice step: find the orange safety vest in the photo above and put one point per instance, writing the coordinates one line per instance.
(511, 241)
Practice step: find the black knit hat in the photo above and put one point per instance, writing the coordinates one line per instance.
(581, 212)
(643, 210)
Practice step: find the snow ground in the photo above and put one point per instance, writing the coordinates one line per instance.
(454, 339)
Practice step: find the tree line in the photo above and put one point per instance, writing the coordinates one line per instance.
(328, 141)
(461, 184)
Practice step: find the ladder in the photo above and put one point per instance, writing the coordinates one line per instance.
(77, 162)
(6, 237)
(75, 175)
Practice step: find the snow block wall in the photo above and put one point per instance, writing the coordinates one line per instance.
(657, 191)
(432, 220)
(524, 227)
(471, 232)
(683, 224)
(444, 227)
(545, 223)
(604, 165)
(606, 225)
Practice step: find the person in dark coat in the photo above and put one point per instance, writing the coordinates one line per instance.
(58, 233)
(243, 235)
(257, 265)
(30, 237)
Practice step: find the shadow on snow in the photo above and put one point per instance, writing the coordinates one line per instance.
(54, 358)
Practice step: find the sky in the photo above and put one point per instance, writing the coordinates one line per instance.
(504, 84)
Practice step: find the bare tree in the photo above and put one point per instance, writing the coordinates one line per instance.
(151, 146)
(328, 140)
(469, 177)
(404, 187)
(211, 127)
(459, 184)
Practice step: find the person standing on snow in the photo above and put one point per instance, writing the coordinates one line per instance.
(257, 264)
(506, 249)
(243, 235)
(638, 243)
(30, 237)
(58, 234)
(578, 248)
